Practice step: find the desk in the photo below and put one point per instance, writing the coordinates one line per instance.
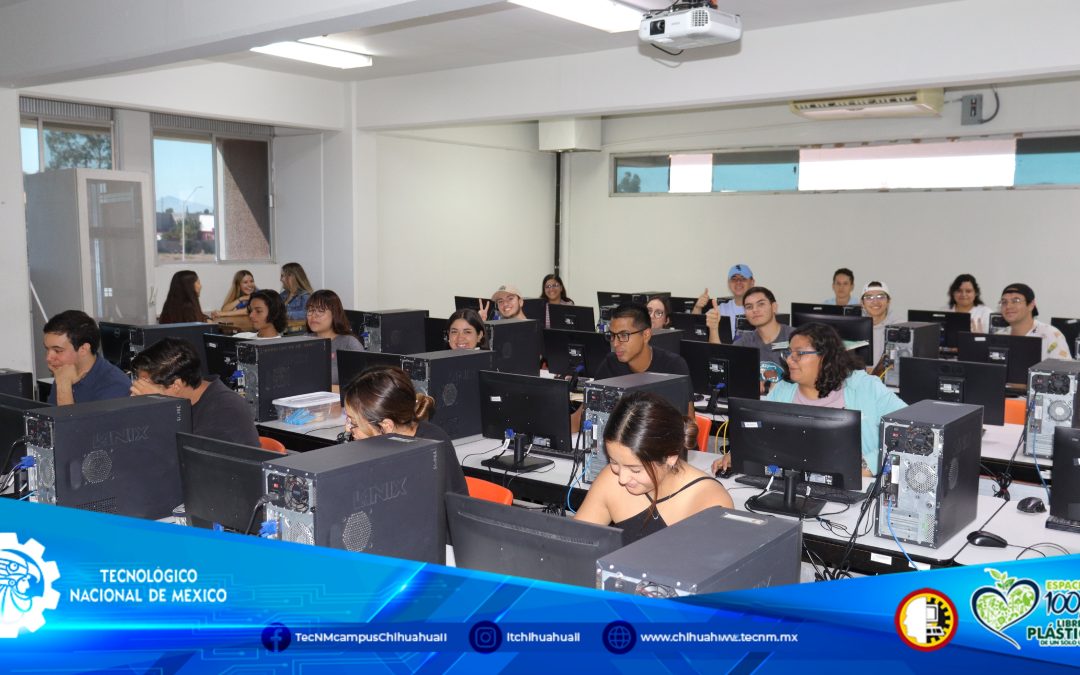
(999, 444)
(1020, 530)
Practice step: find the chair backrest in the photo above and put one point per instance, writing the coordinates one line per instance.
(485, 489)
(271, 444)
(1015, 411)
(704, 424)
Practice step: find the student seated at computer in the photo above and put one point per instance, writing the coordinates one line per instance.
(760, 305)
(465, 330)
(629, 332)
(553, 290)
(648, 483)
(267, 314)
(326, 319)
(1019, 311)
(876, 303)
(508, 303)
(843, 283)
(236, 300)
(382, 400)
(740, 280)
(295, 290)
(72, 340)
(966, 296)
(171, 367)
(659, 307)
(182, 302)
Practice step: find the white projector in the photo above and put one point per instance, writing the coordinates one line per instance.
(690, 28)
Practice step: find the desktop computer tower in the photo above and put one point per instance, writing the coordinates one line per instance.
(1052, 400)
(116, 343)
(143, 337)
(381, 495)
(281, 367)
(515, 345)
(714, 550)
(669, 339)
(452, 378)
(16, 383)
(395, 331)
(601, 397)
(932, 485)
(910, 338)
(115, 456)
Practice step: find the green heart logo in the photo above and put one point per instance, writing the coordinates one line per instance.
(1004, 604)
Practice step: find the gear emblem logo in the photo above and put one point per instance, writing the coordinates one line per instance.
(26, 585)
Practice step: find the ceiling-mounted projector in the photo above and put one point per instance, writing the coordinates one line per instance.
(690, 28)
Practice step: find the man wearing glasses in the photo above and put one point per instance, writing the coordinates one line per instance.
(1019, 311)
(631, 352)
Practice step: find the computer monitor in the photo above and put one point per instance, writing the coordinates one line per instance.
(575, 352)
(681, 304)
(1070, 328)
(435, 337)
(858, 328)
(468, 302)
(694, 325)
(956, 381)
(535, 308)
(222, 482)
(116, 343)
(952, 323)
(13, 428)
(821, 308)
(722, 371)
(351, 363)
(810, 443)
(221, 357)
(526, 543)
(1016, 352)
(614, 299)
(1065, 492)
(572, 317)
(538, 407)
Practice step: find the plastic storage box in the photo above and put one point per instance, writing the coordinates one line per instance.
(306, 409)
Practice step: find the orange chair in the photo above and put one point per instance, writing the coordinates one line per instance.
(485, 489)
(271, 444)
(704, 425)
(1015, 411)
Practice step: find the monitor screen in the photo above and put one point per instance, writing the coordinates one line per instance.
(570, 352)
(952, 323)
(1070, 328)
(726, 369)
(860, 328)
(1016, 352)
(468, 302)
(694, 325)
(822, 444)
(13, 428)
(222, 481)
(1065, 492)
(538, 407)
(682, 304)
(572, 317)
(535, 308)
(956, 381)
(527, 543)
(820, 308)
(351, 363)
(435, 337)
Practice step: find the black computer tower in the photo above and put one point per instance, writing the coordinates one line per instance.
(16, 383)
(932, 483)
(669, 339)
(143, 337)
(281, 367)
(1065, 492)
(1053, 395)
(452, 378)
(221, 358)
(397, 331)
(515, 345)
(381, 495)
(435, 334)
(116, 343)
(601, 397)
(909, 338)
(115, 456)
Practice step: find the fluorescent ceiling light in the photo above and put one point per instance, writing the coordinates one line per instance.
(323, 56)
(602, 14)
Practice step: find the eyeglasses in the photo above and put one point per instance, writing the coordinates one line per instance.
(878, 297)
(623, 336)
(552, 285)
(796, 354)
(656, 312)
(317, 310)
(1005, 302)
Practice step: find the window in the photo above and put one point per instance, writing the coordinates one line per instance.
(755, 171)
(48, 145)
(31, 151)
(1048, 161)
(642, 174)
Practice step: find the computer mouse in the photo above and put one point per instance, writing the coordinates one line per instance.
(1031, 505)
(983, 538)
(724, 473)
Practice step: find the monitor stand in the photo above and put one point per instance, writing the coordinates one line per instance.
(788, 503)
(518, 463)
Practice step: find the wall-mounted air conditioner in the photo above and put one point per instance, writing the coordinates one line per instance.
(920, 103)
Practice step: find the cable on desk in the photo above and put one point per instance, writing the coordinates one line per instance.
(1036, 547)
(1006, 475)
(888, 521)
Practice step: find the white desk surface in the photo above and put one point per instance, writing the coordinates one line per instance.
(1020, 530)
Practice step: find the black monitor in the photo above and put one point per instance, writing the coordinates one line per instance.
(1070, 328)
(956, 381)
(952, 323)
(1065, 492)
(13, 428)
(221, 357)
(435, 337)
(534, 308)
(694, 325)
(859, 328)
(526, 543)
(351, 363)
(722, 371)
(681, 304)
(575, 352)
(809, 443)
(1016, 352)
(822, 308)
(469, 302)
(538, 407)
(116, 343)
(572, 317)
(222, 482)
(356, 321)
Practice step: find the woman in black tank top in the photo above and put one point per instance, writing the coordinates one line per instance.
(648, 484)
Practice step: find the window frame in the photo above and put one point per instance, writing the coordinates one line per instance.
(41, 120)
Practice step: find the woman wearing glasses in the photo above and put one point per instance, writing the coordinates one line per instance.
(648, 483)
(553, 290)
(326, 319)
(875, 302)
(659, 311)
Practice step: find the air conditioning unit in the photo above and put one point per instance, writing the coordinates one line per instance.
(920, 103)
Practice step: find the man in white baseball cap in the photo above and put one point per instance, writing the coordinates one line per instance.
(508, 302)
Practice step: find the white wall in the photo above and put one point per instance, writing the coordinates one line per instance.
(16, 341)
(914, 241)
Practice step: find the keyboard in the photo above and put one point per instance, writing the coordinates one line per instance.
(817, 490)
(1063, 524)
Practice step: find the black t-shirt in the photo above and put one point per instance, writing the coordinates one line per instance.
(663, 361)
(223, 414)
(455, 477)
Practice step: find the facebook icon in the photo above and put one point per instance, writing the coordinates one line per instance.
(276, 637)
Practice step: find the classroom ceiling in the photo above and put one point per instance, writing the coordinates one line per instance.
(502, 32)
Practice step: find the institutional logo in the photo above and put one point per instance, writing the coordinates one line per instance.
(1004, 604)
(26, 585)
(926, 620)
